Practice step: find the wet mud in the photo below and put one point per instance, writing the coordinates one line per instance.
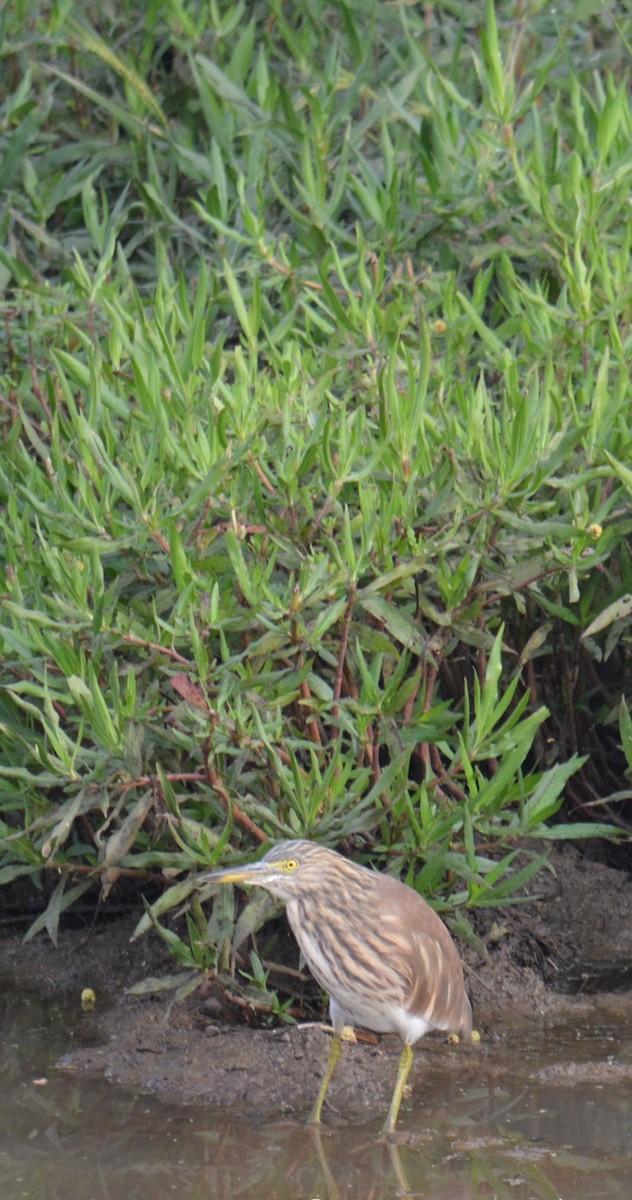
(532, 978)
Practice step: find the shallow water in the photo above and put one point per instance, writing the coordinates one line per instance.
(567, 1138)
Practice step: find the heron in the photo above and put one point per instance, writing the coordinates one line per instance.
(382, 954)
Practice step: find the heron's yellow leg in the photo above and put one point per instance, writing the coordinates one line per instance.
(403, 1071)
(334, 1055)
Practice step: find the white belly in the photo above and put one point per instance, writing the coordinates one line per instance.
(380, 1019)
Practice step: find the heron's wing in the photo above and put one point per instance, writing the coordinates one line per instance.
(434, 990)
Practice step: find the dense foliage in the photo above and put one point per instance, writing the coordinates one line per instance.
(315, 466)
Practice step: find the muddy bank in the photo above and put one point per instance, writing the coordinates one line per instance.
(575, 931)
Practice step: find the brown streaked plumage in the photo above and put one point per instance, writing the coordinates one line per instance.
(377, 948)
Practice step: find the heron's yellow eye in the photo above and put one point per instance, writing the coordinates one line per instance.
(290, 865)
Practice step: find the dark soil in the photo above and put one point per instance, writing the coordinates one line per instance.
(574, 932)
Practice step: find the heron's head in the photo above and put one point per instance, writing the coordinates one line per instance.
(287, 870)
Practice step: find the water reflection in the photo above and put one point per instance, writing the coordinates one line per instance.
(498, 1137)
(93, 1142)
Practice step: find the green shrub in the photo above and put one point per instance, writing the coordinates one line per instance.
(315, 468)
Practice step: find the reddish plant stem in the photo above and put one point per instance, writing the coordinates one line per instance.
(261, 474)
(311, 720)
(232, 807)
(133, 640)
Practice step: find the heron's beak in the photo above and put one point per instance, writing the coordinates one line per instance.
(247, 874)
